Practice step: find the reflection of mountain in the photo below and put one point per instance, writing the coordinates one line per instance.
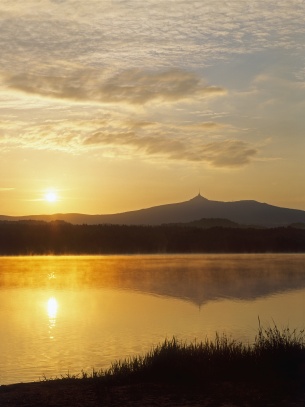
(244, 212)
(206, 279)
(198, 279)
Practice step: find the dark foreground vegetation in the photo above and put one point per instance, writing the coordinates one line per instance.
(275, 355)
(57, 237)
(222, 372)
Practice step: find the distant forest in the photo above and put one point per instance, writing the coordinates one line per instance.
(57, 237)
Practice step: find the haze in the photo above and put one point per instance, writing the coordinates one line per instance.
(120, 105)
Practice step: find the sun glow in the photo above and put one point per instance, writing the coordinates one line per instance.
(51, 196)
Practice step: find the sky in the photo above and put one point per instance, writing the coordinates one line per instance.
(115, 105)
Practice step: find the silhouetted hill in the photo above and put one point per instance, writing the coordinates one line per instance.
(242, 212)
(299, 225)
(209, 223)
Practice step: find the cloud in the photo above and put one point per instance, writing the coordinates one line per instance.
(177, 127)
(228, 153)
(154, 33)
(220, 154)
(205, 127)
(192, 142)
(133, 86)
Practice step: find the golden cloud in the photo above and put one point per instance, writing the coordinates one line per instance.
(133, 86)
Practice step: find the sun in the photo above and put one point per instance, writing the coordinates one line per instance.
(50, 196)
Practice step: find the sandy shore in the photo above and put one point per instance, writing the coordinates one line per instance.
(90, 393)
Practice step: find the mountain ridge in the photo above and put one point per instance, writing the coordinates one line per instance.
(244, 212)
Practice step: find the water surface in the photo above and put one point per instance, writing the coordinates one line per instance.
(64, 314)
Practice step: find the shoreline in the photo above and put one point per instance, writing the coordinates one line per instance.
(91, 393)
(219, 373)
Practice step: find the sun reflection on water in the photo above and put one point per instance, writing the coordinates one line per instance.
(52, 307)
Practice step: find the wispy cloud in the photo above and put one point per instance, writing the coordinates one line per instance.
(154, 33)
(193, 142)
(227, 153)
(133, 86)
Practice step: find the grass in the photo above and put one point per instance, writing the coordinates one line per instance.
(218, 372)
(276, 355)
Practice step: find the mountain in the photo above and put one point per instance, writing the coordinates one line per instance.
(243, 212)
(207, 223)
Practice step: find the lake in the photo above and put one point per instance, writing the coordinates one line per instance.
(63, 314)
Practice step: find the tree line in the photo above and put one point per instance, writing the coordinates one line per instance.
(58, 237)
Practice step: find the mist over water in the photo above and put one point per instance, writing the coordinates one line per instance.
(69, 313)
